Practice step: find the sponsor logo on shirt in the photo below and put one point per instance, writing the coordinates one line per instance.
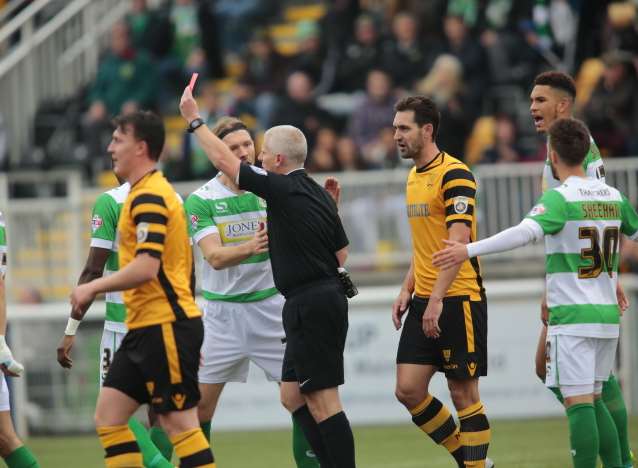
(461, 204)
(221, 206)
(537, 210)
(240, 229)
(96, 223)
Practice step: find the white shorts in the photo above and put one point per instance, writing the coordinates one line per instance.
(5, 401)
(237, 333)
(578, 362)
(110, 342)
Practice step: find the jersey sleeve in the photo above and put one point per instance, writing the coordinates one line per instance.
(150, 216)
(104, 222)
(262, 183)
(459, 196)
(200, 218)
(629, 224)
(341, 239)
(550, 212)
(593, 163)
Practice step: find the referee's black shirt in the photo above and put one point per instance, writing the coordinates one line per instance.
(304, 228)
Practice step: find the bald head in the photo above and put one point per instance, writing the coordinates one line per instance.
(287, 141)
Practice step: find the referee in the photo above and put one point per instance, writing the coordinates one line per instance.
(307, 246)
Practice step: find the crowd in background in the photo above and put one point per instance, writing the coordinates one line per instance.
(339, 74)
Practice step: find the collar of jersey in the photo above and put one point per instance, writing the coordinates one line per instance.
(431, 164)
(145, 176)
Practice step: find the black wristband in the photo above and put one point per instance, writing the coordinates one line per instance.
(195, 124)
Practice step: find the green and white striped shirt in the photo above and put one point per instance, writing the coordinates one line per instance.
(215, 209)
(582, 221)
(106, 214)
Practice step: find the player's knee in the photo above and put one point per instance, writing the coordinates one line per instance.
(409, 395)
(9, 441)
(291, 401)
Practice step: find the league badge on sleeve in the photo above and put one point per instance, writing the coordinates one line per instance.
(142, 232)
(96, 223)
(194, 220)
(461, 204)
(537, 210)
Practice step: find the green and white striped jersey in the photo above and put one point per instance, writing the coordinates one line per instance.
(3, 246)
(215, 209)
(106, 214)
(582, 221)
(592, 165)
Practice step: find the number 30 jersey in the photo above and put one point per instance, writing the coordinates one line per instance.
(582, 221)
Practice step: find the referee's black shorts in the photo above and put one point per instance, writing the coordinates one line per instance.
(316, 323)
(158, 365)
(461, 349)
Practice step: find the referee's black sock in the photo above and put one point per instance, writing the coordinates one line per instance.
(310, 429)
(338, 439)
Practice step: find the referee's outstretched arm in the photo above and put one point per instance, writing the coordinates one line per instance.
(216, 150)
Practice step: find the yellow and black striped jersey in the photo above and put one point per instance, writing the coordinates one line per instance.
(153, 221)
(439, 194)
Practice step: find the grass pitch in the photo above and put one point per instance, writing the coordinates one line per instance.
(537, 443)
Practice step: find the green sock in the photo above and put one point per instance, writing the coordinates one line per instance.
(151, 455)
(161, 441)
(583, 435)
(205, 429)
(612, 396)
(609, 448)
(21, 458)
(304, 456)
(558, 394)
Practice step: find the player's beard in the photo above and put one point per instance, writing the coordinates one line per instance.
(413, 151)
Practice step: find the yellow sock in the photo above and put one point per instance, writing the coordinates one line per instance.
(120, 446)
(475, 435)
(193, 450)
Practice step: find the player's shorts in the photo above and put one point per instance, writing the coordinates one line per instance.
(237, 333)
(316, 323)
(111, 340)
(579, 361)
(5, 399)
(461, 349)
(158, 365)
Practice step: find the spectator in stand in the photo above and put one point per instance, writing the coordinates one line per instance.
(299, 108)
(611, 112)
(468, 50)
(323, 157)
(150, 31)
(375, 113)
(243, 104)
(186, 55)
(444, 84)
(236, 19)
(360, 56)
(311, 55)
(621, 31)
(505, 148)
(403, 54)
(348, 156)
(126, 81)
(266, 73)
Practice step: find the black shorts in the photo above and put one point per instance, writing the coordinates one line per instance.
(316, 323)
(461, 349)
(158, 365)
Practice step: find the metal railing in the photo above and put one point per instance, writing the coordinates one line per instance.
(48, 233)
(53, 58)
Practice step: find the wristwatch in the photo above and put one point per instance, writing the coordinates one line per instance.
(195, 124)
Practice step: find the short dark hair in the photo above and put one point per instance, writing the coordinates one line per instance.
(425, 111)
(147, 127)
(557, 80)
(570, 139)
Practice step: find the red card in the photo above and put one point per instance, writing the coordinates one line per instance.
(191, 85)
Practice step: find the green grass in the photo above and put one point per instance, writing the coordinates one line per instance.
(538, 443)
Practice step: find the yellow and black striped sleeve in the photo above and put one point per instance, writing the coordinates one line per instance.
(459, 195)
(150, 216)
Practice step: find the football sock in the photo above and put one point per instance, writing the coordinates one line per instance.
(338, 439)
(161, 441)
(475, 434)
(193, 450)
(120, 447)
(612, 396)
(435, 419)
(21, 458)
(609, 448)
(557, 394)
(304, 456)
(310, 429)
(583, 435)
(206, 429)
(150, 454)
